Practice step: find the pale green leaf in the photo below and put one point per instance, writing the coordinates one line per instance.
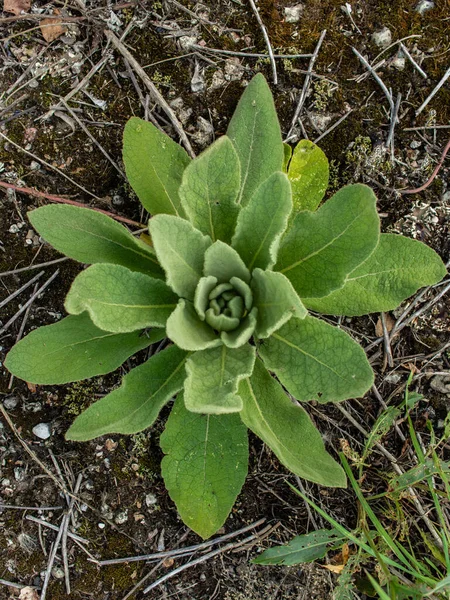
(276, 301)
(301, 549)
(308, 173)
(209, 190)
(135, 405)
(92, 237)
(316, 361)
(287, 429)
(396, 269)
(154, 165)
(255, 133)
(120, 300)
(205, 466)
(321, 248)
(181, 251)
(223, 262)
(242, 334)
(187, 331)
(213, 376)
(72, 350)
(262, 222)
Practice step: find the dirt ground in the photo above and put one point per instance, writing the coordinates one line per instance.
(68, 145)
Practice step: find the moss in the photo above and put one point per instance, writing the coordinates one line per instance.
(79, 396)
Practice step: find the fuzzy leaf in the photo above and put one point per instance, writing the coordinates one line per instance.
(154, 165)
(209, 190)
(213, 376)
(276, 301)
(92, 237)
(181, 250)
(223, 262)
(255, 133)
(205, 466)
(301, 549)
(396, 269)
(262, 222)
(72, 350)
(135, 405)
(287, 429)
(241, 335)
(187, 331)
(120, 300)
(308, 173)
(316, 361)
(321, 248)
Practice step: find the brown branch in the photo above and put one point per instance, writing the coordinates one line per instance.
(32, 192)
(435, 172)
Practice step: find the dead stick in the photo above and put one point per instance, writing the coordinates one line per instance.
(433, 175)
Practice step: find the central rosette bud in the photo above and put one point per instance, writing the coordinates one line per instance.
(223, 305)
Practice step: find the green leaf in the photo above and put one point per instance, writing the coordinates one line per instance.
(187, 331)
(72, 350)
(255, 133)
(396, 269)
(287, 429)
(135, 405)
(380, 428)
(321, 248)
(120, 300)
(287, 149)
(316, 361)
(241, 335)
(213, 376)
(308, 173)
(209, 190)
(276, 301)
(301, 549)
(205, 466)
(154, 165)
(181, 251)
(223, 262)
(262, 222)
(418, 474)
(92, 237)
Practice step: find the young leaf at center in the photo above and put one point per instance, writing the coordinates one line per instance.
(205, 466)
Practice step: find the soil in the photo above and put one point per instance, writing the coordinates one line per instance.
(129, 511)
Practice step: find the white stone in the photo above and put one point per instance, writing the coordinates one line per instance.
(423, 6)
(150, 499)
(11, 403)
(382, 38)
(398, 62)
(42, 430)
(292, 14)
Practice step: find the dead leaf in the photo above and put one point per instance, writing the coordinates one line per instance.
(334, 568)
(168, 562)
(16, 6)
(390, 322)
(28, 593)
(51, 29)
(31, 387)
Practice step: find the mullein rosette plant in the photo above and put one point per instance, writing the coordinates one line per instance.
(238, 253)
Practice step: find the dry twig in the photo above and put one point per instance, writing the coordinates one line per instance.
(267, 40)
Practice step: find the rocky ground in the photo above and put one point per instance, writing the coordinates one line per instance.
(66, 91)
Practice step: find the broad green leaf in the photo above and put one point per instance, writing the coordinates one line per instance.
(72, 350)
(308, 173)
(154, 165)
(187, 331)
(135, 405)
(120, 300)
(316, 361)
(287, 156)
(287, 429)
(276, 301)
(223, 262)
(241, 335)
(255, 133)
(301, 549)
(209, 190)
(262, 222)
(92, 237)
(181, 250)
(213, 376)
(321, 248)
(205, 466)
(396, 269)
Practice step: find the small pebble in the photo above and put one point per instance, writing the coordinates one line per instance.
(415, 144)
(150, 500)
(382, 38)
(398, 62)
(292, 14)
(42, 430)
(423, 6)
(101, 526)
(58, 573)
(11, 403)
(121, 517)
